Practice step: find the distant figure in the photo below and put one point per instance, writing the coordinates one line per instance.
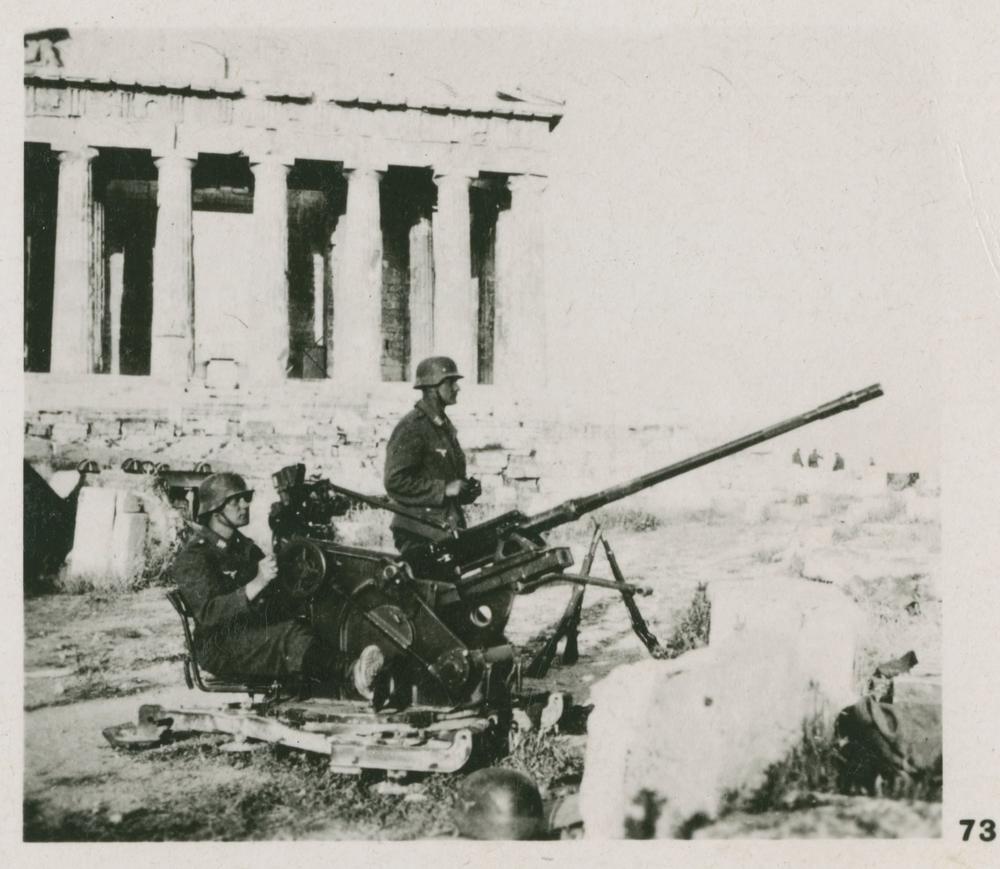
(814, 458)
(838, 462)
(797, 457)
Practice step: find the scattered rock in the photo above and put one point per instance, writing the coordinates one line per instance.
(898, 481)
(668, 740)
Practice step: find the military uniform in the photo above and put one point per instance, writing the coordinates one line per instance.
(234, 635)
(422, 457)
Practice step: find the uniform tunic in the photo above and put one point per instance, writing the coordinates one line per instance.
(422, 457)
(232, 634)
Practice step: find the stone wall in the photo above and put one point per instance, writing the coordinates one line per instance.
(524, 456)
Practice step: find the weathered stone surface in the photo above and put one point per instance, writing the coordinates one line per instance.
(917, 688)
(95, 518)
(258, 428)
(312, 422)
(218, 426)
(37, 428)
(687, 731)
(817, 621)
(488, 461)
(67, 431)
(140, 427)
(128, 502)
(106, 428)
(292, 425)
(38, 450)
(128, 539)
(523, 467)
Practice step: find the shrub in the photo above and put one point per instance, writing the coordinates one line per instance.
(813, 765)
(691, 630)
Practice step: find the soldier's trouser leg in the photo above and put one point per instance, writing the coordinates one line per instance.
(407, 540)
(326, 663)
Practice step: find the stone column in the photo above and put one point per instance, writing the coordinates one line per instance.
(520, 302)
(76, 338)
(268, 361)
(99, 321)
(172, 352)
(421, 291)
(116, 275)
(357, 288)
(456, 295)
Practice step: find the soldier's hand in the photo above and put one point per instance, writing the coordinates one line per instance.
(471, 489)
(453, 489)
(267, 570)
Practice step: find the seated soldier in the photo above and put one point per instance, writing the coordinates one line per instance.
(239, 630)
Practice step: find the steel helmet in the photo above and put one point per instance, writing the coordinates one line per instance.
(499, 803)
(434, 370)
(214, 491)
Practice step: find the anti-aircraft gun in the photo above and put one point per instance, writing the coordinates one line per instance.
(444, 606)
(439, 615)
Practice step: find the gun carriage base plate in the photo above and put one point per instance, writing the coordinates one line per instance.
(351, 734)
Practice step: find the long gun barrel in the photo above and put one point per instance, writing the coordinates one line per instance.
(577, 507)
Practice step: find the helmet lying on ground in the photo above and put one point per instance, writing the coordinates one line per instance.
(499, 803)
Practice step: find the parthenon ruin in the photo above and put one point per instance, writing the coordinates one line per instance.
(239, 232)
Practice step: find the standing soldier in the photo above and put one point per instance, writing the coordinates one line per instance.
(239, 629)
(424, 463)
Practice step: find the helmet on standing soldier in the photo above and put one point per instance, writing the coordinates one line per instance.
(435, 370)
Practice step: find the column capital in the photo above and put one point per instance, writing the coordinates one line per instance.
(268, 158)
(442, 173)
(364, 167)
(527, 183)
(176, 158)
(270, 169)
(76, 153)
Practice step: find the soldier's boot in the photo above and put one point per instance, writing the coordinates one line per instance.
(366, 669)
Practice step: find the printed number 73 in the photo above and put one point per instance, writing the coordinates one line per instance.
(989, 831)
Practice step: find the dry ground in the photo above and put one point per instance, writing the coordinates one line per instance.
(92, 658)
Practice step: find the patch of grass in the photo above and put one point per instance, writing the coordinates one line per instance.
(80, 584)
(705, 516)
(817, 765)
(812, 766)
(692, 628)
(548, 758)
(628, 519)
(843, 533)
(278, 794)
(891, 509)
(771, 555)
(158, 554)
